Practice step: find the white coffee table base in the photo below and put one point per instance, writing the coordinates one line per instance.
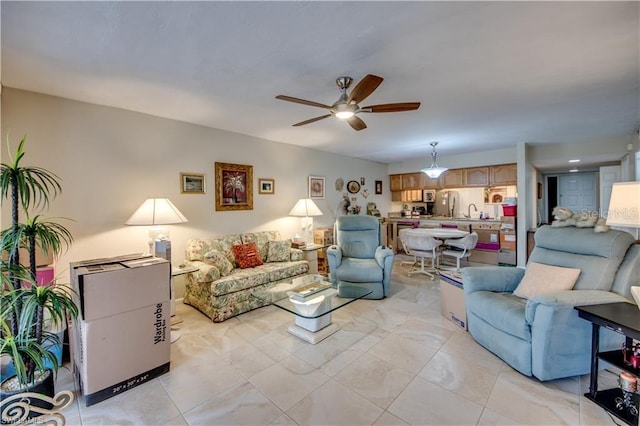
(313, 337)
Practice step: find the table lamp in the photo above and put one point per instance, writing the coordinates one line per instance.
(306, 209)
(155, 212)
(624, 206)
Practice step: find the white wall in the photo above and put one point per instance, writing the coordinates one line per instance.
(110, 160)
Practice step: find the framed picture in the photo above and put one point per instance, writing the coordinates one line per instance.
(192, 183)
(234, 186)
(316, 187)
(378, 187)
(266, 186)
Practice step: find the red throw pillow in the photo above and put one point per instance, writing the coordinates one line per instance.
(247, 255)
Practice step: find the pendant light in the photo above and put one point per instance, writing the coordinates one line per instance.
(434, 171)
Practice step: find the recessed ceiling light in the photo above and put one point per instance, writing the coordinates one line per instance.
(574, 161)
(573, 170)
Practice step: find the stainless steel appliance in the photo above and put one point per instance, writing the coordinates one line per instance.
(447, 203)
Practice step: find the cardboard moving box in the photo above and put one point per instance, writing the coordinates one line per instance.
(122, 336)
(452, 304)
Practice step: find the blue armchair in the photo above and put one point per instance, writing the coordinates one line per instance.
(357, 259)
(543, 336)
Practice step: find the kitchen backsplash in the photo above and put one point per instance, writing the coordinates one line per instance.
(468, 196)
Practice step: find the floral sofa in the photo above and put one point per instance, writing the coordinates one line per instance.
(222, 286)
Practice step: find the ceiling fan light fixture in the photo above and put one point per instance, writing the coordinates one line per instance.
(434, 171)
(343, 115)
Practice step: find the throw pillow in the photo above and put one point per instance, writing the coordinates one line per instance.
(279, 251)
(219, 260)
(540, 279)
(247, 255)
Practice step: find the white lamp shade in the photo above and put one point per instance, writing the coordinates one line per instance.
(305, 207)
(156, 211)
(434, 172)
(624, 206)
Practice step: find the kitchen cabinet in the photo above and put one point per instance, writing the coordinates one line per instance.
(412, 181)
(504, 174)
(452, 178)
(430, 183)
(476, 176)
(395, 183)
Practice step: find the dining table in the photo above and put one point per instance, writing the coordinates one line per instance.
(417, 239)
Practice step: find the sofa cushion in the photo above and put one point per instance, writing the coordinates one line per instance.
(261, 239)
(540, 279)
(247, 255)
(219, 260)
(503, 311)
(281, 270)
(240, 279)
(197, 248)
(279, 251)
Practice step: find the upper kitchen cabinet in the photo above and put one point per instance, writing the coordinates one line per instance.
(476, 176)
(452, 178)
(413, 180)
(430, 183)
(504, 174)
(395, 183)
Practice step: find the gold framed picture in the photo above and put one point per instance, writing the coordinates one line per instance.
(192, 183)
(266, 186)
(234, 186)
(316, 187)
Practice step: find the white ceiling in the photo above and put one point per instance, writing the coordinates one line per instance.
(488, 74)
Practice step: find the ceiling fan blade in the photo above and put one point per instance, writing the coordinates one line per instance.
(311, 120)
(302, 101)
(356, 123)
(403, 106)
(364, 88)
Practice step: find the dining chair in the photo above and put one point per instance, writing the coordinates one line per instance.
(422, 247)
(460, 248)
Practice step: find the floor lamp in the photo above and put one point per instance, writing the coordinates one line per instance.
(624, 206)
(305, 208)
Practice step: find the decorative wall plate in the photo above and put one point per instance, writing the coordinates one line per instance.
(353, 187)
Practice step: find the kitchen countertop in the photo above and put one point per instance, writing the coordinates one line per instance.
(462, 220)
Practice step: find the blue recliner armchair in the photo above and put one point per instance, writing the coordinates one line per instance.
(543, 336)
(357, 259)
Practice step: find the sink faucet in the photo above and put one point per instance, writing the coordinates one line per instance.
(475, 209)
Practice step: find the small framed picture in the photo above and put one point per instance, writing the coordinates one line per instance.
(316, 187)
(378, 187)
(266, 186)
(192, 183)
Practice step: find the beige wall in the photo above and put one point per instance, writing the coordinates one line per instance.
(110, 160)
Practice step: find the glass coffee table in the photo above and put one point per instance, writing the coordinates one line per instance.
(312, 314)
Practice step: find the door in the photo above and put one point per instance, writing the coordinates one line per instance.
(608, 176)
(578, 192)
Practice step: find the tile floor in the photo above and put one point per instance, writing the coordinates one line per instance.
(394, 362)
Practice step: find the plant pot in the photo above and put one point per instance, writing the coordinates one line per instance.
(44, 386)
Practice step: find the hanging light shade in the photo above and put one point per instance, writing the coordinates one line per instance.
(434, 171)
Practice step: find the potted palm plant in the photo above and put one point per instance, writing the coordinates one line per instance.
(25, 305)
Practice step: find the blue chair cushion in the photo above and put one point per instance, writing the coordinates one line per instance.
(503, 311)
(359, 270)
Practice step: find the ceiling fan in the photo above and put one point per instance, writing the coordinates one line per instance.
(346, 107)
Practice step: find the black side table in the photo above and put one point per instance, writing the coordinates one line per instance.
(623, 318)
